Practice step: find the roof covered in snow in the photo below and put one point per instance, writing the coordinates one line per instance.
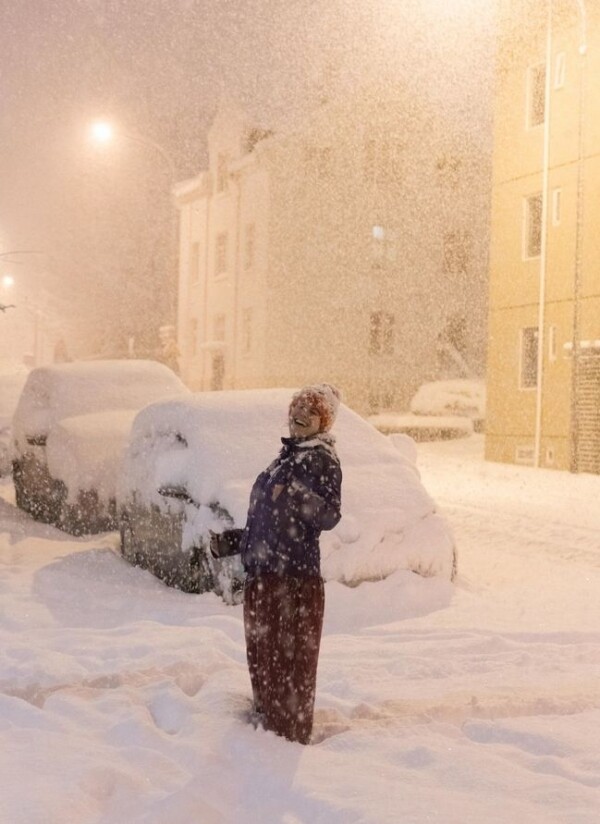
(60, 391)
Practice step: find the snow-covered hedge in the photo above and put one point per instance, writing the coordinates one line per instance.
(215, 444)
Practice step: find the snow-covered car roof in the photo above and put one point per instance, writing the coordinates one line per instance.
(60, 391)
(461, 396)
(215, 444)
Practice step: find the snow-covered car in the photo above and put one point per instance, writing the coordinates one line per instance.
(70, 428)
(460, 397)
(439, 411)
(190, 466)
(12, 381)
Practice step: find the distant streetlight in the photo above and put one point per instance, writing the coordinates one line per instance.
(8, 281)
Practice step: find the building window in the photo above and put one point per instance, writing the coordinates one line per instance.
(556, 206)
(221, 253)
(317, 160)
(524, 455)
(384, 246)
(533, 226)
(560, 70)
(249, 246)
(529, 358)
(449, 169)
(219, 328)
(536, 95)
(195, 263)
(381, 333)
(383, 160)
(247, 330)
(222, 178)
(193, 337)
(457, 252)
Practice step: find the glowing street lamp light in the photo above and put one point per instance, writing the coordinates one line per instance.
(101, 131)
(8, 281)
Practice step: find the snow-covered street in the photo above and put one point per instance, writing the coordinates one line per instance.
(124, 701)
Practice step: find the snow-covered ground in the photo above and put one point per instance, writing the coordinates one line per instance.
(123, 701)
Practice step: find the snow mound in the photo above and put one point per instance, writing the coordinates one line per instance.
(215, 444)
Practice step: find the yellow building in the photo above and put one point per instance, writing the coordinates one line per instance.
(544, 325)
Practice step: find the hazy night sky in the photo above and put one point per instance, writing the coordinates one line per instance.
(160, 68)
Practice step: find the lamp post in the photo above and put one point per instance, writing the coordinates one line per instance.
(103, 132)
(582, 50)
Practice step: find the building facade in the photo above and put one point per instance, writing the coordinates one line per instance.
(353, 250)
(544, 324)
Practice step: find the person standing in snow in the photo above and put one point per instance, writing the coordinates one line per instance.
(291, 502)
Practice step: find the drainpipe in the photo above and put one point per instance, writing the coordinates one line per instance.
(236, 277)
(207, 185)
(544, 240)
(575, 352)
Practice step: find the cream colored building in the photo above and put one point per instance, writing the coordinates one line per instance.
(343, 251)
(543, 391)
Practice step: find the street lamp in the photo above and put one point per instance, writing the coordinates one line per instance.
(8, 281)
(582, 50)
(103, 132)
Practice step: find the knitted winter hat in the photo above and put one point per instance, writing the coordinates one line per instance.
(325, 399)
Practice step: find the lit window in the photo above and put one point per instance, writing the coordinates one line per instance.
(221, 253)
(381, 333)
(529, 358)
(383, 245)
(533, 226)
(536, 95)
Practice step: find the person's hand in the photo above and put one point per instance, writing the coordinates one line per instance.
(277, 490)
(213, 544)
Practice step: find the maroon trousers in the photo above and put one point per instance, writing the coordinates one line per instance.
(283, 619)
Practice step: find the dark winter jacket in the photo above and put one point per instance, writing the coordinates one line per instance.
(282, 536)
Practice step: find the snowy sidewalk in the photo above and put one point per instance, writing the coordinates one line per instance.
(123, 701)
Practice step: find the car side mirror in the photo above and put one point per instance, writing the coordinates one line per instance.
(179, 493)
(36, 440)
